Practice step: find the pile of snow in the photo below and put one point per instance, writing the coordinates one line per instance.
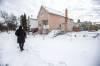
(83, 34)
(71, 51)
(54, 33)
(63, 50)
(11, 56)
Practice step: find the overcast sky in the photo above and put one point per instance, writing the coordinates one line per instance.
(77, 9)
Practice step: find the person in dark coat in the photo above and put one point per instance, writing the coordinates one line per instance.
(21, 35)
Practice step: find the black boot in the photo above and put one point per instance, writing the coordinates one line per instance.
(20, 45)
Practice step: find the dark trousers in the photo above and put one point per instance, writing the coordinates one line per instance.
(21, 45)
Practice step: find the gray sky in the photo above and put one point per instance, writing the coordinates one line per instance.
(77, 9)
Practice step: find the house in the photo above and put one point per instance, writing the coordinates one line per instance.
(49, 19)
(84, 26)
(32, 23)
(76, 27)
(97, 24)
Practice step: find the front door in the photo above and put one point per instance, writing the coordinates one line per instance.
(45, 26)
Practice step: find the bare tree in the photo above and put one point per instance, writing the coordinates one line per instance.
(10, 20)
(12, 24)
(4, 15)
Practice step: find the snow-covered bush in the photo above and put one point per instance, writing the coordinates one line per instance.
(84, 35)
(96, 35)
(55, 33)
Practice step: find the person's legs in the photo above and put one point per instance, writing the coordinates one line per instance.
(20, 46)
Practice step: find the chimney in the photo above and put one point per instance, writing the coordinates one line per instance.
(66, 15)
(66, 20)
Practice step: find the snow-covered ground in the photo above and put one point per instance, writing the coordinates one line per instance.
(70, 49)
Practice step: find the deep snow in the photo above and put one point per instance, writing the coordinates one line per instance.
(70, 49)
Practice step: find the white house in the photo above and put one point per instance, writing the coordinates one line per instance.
(33, 23)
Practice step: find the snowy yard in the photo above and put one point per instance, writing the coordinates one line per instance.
(70, 49)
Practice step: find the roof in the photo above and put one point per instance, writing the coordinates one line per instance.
(52, 11)
(2, 20)
(97, 22)
(33, 19)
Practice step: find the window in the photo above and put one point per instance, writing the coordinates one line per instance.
(45, 22)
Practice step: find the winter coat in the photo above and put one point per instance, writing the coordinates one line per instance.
(21, 35)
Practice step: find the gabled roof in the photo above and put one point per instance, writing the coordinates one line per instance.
(52, 11)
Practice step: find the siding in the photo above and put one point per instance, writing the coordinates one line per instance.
(55, 21)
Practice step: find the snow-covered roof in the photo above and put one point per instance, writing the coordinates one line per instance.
(50, 10)
(33, 19)
(2, 20)
(5, 24)
(96, 22)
